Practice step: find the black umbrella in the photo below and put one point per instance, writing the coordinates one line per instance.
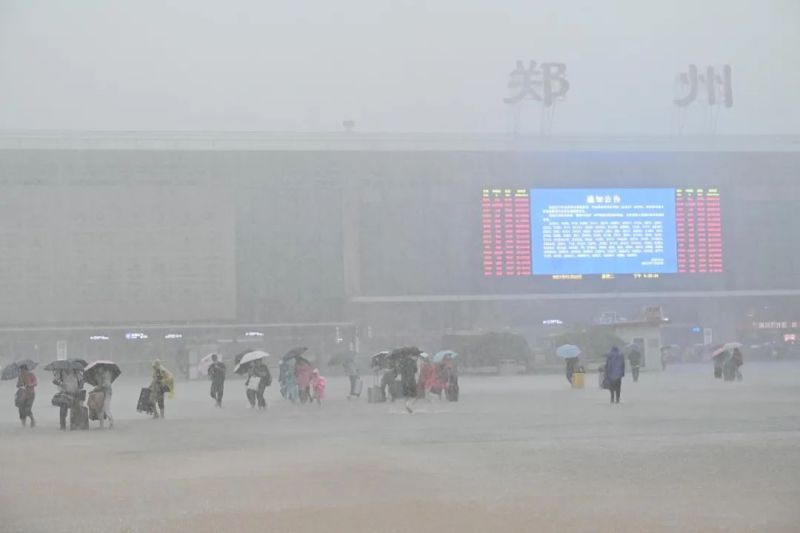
(406, 351)
(91, 372)
(379, 360)
(341, 358)
(295, 353)
(66, 364)
(12, 370)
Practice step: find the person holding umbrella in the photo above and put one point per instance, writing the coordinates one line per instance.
(251, 386)
(258, 376)
(70, 386)
(26, 394)
(68, 374)
(302, 371)
(101, 374)
(216, 371)
(288, 382)
(569, 353)
(738, 360)
(446, 376)
(427, 376)
(261, 370)
(407, 366)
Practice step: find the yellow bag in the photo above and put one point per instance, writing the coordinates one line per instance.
(577, 380)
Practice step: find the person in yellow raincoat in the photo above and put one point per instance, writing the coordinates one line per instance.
(163, 382)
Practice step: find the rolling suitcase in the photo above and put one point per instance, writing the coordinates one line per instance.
(145, 405)
(359, 386)
(375, 395)
(83, 417)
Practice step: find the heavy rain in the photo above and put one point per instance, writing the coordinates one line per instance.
(399, 266)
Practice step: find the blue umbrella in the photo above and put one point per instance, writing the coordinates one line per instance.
(12, 370)
(295, 352)
(440, 356)
(568, 351)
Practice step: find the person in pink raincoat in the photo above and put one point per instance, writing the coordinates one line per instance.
(427, 377)
(317, 386)
(302, 374)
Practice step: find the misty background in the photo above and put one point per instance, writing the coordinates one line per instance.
(391, 66)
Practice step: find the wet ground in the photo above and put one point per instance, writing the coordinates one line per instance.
(682, 452)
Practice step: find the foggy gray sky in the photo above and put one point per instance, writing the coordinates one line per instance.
(409, 65)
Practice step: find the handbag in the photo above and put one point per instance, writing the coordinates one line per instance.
(62, 399)
(20, 397)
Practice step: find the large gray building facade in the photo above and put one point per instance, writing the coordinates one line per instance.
(378, 234)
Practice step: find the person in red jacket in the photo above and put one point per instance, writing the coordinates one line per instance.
(26, 393)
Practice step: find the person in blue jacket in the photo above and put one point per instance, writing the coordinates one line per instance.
(615, 371)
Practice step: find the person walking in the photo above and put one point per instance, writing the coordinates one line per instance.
(217, 371)
(104, 380)
(614, 372)
(635, 357)
(302, 375)
(427, 377)
(162, 382)
(69, 385)
(408, 380)
(283, 378)
(251, 386)
(388, 378)
(572, 364)
(452, 389)
(289, 389)
(264, 381)
(25, 395)
(317, 386)
(351, 369)
(738, 360)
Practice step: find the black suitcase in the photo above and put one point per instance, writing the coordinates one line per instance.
(83, 418)
(145, 405)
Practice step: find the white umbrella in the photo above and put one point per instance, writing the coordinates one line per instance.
(250, 357)
(726, 347)
(205, 363)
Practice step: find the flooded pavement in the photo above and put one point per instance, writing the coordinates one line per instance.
(682, 452)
